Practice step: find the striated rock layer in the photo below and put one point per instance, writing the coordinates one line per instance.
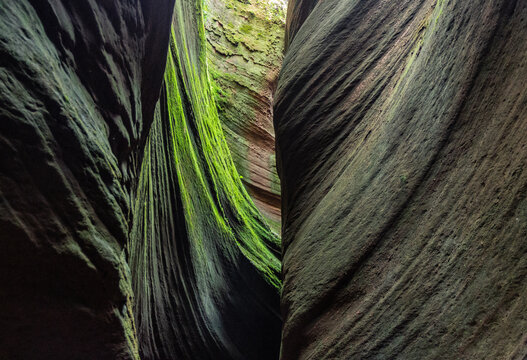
(126, 231)
(78, 85)
(205, 265)
(401, 148)
(245, 46)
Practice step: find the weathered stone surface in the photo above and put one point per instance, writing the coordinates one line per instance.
(124, 235)
(401, 143)
(205, 265)
(245, 46)
(78, 85)
(297, 13)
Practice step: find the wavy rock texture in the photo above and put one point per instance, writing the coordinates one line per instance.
(76, 92)
(245, 46)
(297, 13)
(124, 235)
(205, 265)
(401, 143)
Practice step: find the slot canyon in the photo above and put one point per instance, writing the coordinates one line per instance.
(259, 180)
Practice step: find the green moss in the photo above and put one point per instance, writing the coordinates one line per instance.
(440, 5)
(223, 50)
(246, 28)
(243, 78)
(187, 142)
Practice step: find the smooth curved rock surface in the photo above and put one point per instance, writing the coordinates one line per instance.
(79, 81)
(400, 130)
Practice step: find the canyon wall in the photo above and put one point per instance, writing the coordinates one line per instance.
(78, 85)
(205, 264)
(126, 231)
(245, 47)
(401, 150)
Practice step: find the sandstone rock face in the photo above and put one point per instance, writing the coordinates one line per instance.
(126, 232)
(245, 46)
(297, 13)
(205, 265)
(77, 90)
(401, 148)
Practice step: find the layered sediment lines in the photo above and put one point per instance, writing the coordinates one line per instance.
(401, 149)
(245, 47)
(77, 95)
(124, 235)
(205, 264)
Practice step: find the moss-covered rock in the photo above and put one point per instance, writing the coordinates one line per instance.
(205, 264)
(245, 45)
(124, 235)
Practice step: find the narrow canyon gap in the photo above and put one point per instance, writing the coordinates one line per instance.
(140, 205)
(205, 264)
(402, 150)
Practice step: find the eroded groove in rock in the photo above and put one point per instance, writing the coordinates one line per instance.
(78, 85)
(205, 265)
(401, 149)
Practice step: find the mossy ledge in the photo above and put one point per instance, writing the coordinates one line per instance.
(244, 50)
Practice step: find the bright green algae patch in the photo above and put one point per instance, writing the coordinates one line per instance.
(205, 263)
(210, 187)
(209, 182)
(214, 183)
(212, 194)
(218, 211)
(244, 51)
(202, 255)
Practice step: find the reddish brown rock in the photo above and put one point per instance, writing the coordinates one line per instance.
(245, 46)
